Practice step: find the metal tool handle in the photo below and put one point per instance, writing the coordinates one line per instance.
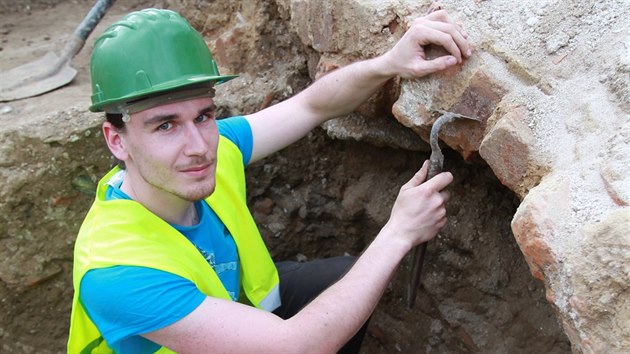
(436, 162)
(82, 32)
(417, 260)
(418, 252)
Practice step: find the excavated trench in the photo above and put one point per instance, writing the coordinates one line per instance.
(321, 198)
(326, 197)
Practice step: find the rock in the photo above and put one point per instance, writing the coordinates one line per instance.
(600, 279)
(322, 33)
(556, 41)
(353, 28)
(468, 91)
(508, 148)
(535, 222)
(373, 121)
(264, 206)
(5, 108)
(378, 131)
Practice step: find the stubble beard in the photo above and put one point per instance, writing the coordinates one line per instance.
(203, 189)
(198, 193)
(202, 192)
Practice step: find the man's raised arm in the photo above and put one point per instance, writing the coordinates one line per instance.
(343, 90)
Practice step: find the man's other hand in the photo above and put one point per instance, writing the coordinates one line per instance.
(419, 211)
(408, 57)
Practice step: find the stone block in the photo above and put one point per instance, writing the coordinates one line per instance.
(466, 90)
(535, 225)
(508, 148)
(600, 282)
(379, 131)
(358, 28)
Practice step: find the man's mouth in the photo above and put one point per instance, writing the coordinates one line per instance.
(196, 169)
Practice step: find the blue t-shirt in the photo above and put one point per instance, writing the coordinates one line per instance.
(126, 301)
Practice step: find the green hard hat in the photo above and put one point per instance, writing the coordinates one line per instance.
(145, 53)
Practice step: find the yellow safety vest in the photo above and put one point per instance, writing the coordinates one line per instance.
(123, 232)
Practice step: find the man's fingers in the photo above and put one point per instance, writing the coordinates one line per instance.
(438, 29)
(457, 37)
(446, 195)
(442, 16)
(430, 66)
(441, 21)
(419, 177)
(431, 35)
(461, 30)
(440, 181)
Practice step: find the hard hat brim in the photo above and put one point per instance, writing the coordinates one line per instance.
(158, 89)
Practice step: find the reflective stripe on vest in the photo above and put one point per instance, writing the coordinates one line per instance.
(123, 232)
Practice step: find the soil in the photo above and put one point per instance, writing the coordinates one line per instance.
(318, 198)
(326, 198)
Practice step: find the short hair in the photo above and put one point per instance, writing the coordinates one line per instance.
(116, 119)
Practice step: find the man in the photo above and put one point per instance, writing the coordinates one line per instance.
(169, 258)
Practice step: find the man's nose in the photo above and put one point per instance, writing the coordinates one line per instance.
(197, 143)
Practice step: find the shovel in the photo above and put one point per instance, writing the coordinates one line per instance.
(50, 71)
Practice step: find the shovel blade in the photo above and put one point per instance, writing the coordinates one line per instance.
(35, 78)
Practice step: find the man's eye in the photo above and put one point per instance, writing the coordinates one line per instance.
(165, 126)
(202, 118)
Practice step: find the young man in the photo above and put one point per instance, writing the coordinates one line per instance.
(169, 258)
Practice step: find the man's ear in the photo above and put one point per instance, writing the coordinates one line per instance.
(115, 141)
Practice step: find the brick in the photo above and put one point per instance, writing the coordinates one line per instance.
(535, 225)
(466, 90)
(507, 148)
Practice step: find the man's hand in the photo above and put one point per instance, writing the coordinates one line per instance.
(419, 213)
(408, 57)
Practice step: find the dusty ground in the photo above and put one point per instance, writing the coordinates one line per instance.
(319, 198)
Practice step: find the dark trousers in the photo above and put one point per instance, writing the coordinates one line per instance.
(302, 282)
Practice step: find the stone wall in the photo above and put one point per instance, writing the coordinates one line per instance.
(551, 83)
